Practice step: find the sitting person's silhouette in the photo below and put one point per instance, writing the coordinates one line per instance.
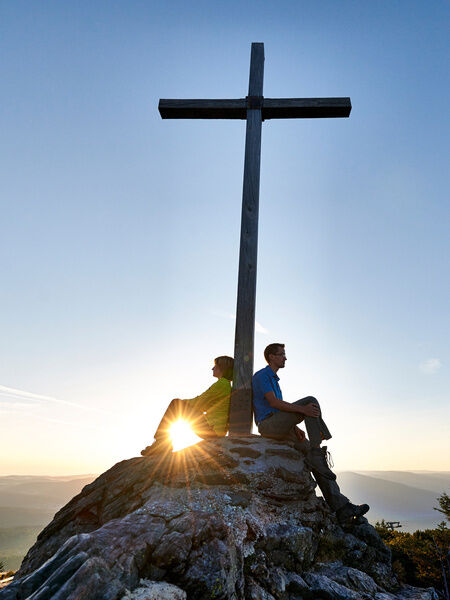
(278, 419)
(207, 414)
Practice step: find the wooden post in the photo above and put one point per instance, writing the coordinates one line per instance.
(241, 397)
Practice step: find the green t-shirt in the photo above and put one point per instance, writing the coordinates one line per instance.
(216, 403)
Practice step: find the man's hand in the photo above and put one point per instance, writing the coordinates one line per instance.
(310, 410)
(301, 436)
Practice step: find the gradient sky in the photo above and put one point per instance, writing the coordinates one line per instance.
(120, 231)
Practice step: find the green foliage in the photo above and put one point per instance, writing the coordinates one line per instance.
(444, 505)
(418, 558)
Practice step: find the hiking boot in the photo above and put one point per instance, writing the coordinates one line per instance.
(350, 512)
(158, 447)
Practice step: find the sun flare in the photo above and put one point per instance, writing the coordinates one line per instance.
(182, 435)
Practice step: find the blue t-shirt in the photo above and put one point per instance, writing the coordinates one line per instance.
(264, 381)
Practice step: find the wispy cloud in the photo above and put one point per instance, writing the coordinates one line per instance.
(15, 404)
(223, 314)
(23, 409)
(226, 315)
(430, 366)
(260, 329)
(31, 399)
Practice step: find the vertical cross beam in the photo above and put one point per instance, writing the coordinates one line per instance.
(241, 397)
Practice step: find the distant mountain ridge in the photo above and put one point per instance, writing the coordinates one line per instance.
(27, 505)
(405, 496)
(40, 492)
(434, 481)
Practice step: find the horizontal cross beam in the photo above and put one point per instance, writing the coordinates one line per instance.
(272, 108)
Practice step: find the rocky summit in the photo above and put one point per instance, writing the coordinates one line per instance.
(236, 518)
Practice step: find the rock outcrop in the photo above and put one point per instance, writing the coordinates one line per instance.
(236, 518)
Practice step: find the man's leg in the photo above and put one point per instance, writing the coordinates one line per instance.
(317, 458)
(281, 426)
(346, 512)
(317, 461)
(315, 426)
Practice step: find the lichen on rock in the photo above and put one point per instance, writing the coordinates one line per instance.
(234, 518)
(155, 590)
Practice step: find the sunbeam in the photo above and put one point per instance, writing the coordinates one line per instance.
(182, 435)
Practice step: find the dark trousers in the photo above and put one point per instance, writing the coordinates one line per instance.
(280, 425)
(182, 409)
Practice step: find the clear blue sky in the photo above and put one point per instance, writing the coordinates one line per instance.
(119, 231)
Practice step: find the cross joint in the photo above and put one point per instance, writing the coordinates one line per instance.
(255, 102)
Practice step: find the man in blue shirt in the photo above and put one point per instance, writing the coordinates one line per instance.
(278, 419)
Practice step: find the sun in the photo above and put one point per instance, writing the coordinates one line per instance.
(182, 435)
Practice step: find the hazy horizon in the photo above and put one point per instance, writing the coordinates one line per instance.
(337, 471)
(81, 475)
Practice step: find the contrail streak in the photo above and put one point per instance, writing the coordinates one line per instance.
(22, 395)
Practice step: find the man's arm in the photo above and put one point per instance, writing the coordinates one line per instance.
(308, 410)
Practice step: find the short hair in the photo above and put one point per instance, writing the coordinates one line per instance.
(226, 365)
(272, 349)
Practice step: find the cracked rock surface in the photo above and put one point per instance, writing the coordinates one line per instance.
(235, 518)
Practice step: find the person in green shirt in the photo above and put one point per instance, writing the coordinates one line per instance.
(207, 414)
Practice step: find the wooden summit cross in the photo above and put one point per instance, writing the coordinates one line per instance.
(255, 108)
